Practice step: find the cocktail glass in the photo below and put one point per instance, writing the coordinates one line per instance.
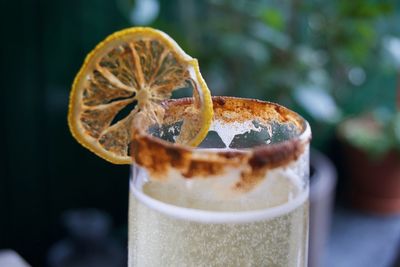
(239, 199)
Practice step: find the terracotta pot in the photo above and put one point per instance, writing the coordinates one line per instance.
(374, 183)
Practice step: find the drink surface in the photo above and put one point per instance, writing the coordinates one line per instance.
(159, 238)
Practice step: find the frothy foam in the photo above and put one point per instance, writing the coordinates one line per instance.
(227, 132)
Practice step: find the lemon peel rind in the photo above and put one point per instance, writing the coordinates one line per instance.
(207, 103)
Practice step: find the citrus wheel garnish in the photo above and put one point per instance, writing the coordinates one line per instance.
(135, 69)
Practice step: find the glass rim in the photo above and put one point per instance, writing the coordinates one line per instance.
(157, 155)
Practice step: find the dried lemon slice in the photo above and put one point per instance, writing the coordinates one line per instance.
(135, 69)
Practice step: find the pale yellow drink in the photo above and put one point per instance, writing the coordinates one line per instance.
(275, 236)
(253, 212)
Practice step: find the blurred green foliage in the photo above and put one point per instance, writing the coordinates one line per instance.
(325, 59)
(376, 133)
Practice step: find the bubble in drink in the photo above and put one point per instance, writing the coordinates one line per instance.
(267, 240)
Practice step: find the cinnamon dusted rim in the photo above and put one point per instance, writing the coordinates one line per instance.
(261, 135)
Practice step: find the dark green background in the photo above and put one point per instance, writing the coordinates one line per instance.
(44, 171)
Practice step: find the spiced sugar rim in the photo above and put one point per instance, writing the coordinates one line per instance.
(158, 156)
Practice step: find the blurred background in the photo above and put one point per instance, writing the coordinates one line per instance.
(337, 63)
